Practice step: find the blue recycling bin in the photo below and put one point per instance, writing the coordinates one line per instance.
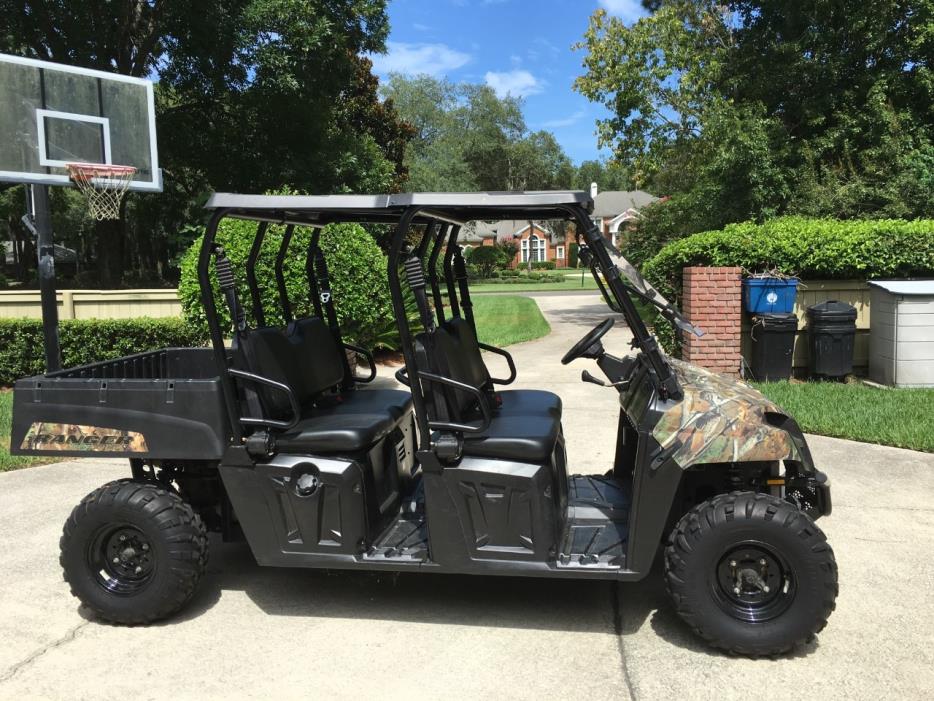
(770, 295)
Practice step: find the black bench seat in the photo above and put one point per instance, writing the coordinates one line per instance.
(336, 432)
(519, 438)
(305, 358)
(471, 368)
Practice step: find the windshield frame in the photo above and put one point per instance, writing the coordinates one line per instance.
(617, 295)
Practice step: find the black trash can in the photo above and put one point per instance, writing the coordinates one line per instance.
(831, 333)
(773, 344)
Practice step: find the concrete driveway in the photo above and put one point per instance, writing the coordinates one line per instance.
(259, 633)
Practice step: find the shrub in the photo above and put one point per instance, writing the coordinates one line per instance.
(508, 249)
(808, 248)
(357, 269)
(543, 265)
(88, 340)
(573, 255)
(485, 259)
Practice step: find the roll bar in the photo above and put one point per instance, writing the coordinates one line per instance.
(442, 215)
(433, 270)
(284, 302)
(259, 315)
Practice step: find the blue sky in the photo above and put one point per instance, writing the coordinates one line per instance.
(519, 47)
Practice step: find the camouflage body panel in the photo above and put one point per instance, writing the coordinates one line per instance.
(720, 420)
(74, 437)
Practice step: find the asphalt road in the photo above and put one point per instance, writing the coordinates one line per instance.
(253, 632)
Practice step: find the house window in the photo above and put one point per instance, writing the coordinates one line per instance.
(559, 253)
(534, 246)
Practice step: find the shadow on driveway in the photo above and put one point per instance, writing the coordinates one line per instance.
(486, 601)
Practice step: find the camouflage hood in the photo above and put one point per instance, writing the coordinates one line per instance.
(720, 420)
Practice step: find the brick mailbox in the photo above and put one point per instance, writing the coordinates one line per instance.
(712, 300)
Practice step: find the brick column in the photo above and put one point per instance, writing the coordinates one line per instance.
(713, 301)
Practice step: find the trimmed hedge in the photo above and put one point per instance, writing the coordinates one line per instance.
(357, 267)
(543, 265)
(88, 340)
(826, 249)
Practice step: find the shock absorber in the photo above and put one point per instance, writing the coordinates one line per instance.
(735, 482)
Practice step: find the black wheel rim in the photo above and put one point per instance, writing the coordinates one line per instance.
(753, 582)
(121, 559)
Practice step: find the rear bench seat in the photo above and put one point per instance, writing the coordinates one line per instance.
(305, 358)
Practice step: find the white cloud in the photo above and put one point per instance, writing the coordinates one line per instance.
(626, 10)
(414, 59)
(564, 121)
(517, 83)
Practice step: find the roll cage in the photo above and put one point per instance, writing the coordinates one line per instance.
(440, 216)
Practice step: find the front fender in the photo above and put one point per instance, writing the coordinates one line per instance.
(722, 420)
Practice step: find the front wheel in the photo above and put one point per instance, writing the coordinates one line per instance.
(133, 552)
(751, 573)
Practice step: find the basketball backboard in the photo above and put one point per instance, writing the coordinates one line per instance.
(52, 115)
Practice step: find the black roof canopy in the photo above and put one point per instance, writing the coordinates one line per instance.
(458, 207)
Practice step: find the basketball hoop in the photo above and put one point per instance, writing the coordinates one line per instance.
(103, 185)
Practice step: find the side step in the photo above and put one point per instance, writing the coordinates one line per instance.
(597, 525)
(406, 539)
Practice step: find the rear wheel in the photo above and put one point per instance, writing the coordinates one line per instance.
(751, 573)
(133, 552)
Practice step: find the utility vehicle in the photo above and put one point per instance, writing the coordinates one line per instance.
(268, 434)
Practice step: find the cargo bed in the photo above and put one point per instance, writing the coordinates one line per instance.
(164, 404)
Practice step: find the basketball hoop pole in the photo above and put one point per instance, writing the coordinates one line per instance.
(40, 218)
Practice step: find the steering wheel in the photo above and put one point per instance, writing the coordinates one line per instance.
(594, 335)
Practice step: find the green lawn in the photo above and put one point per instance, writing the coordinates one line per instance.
(502, 321)
(7, 461)
(569, 281)
(900, 417)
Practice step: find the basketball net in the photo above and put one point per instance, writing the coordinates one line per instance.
(103, 185)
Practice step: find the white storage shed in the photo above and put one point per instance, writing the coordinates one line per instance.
(901, 332)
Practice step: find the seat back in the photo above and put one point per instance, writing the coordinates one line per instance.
(317, 354)
(468, 351)
(440, 352)
(267, 352)
(303, 356)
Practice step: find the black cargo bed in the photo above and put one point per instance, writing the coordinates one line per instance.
(164, 404)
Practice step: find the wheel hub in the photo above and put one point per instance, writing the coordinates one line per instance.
(753, 583)
(122, 559)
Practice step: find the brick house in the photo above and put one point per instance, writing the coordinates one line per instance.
(614, 211)
(535, 241)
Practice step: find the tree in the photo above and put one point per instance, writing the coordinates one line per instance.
(467, 138)
(537, 162)
(251, 95)
(485, 259)
(609, 175)
(753, 108)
